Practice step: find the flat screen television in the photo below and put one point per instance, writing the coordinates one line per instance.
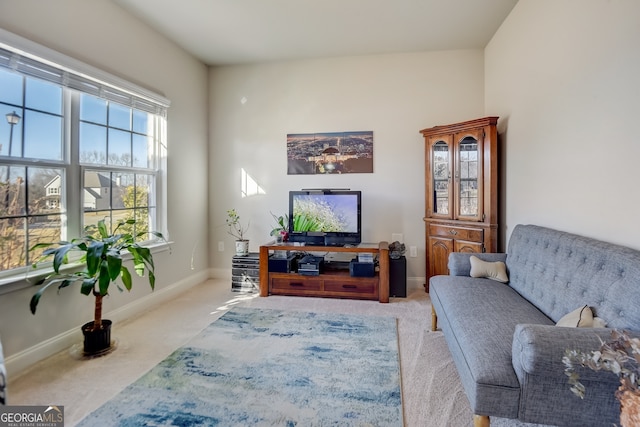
(328, 217)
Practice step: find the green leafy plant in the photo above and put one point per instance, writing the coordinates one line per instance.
(236, 229)
(282, 225)
(620, 355)
(103, 262)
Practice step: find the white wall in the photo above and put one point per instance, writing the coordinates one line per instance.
(565, 77)
(101, 34)
(395, 96)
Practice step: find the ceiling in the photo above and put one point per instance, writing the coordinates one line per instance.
(223, 32)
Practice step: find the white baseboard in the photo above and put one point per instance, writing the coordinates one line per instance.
(20, 362)
(414, 283)
(220, 273)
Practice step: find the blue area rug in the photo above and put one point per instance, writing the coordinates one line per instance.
(257, 367)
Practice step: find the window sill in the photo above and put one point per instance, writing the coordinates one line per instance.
(33, 276)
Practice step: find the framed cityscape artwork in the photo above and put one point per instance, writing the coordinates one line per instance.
(330, 153)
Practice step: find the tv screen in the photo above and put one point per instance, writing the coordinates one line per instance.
(325, 217)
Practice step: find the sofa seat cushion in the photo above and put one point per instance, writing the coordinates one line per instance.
(480, 317)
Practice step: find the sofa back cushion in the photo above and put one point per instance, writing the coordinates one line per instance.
(559, 271)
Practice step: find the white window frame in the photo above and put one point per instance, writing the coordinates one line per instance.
(75, 74)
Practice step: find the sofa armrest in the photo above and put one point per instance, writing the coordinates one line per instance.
(459, 264)
(537, 352)
(538, 349)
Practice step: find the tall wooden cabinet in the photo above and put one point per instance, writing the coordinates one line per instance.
(461, 191)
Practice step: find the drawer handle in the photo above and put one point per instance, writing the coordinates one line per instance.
(350, 286)
(454, 232)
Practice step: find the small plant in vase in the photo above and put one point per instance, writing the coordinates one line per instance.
(619, 355)
(237, 230)
(281, 230)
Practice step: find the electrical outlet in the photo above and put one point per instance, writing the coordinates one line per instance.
(413, 251)
(221, 246)
(397, 237)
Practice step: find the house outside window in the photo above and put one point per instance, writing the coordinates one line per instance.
(74, 149)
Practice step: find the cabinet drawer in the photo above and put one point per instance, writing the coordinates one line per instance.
(296, 284)
(356, 287)
(461, 233)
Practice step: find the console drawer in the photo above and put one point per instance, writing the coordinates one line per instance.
(296, 284)
(458, 233)
(355, 287)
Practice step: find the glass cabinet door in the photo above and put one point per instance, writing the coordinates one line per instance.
(441, 163)
(468, 178)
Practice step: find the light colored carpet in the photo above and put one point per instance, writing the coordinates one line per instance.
(431, 390)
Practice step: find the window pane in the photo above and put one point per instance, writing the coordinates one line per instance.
(121, 181)
(141, 149)
(10, 87)
(96, 193)
(135, 194)
(45, 190)
(10, 135)
(119, 116)
(144, 190)
(12, 191)
(43, 96)
(119, 148)
(93, 109)
(142, 122)
(43, 229)
(143, 219)
(42, 136)
(93, 144)
(13, 246)
(92, 218)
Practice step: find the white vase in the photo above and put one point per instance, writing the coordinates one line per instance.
(242, 247)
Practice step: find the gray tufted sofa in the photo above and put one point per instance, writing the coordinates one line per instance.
(503, 338)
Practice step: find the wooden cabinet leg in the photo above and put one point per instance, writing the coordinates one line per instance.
(480, 421)
(383, 274)
(434, 319)
(264, 271)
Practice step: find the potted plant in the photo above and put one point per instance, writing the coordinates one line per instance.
(237, 230)
(281, 230)
(103, 265)
(619, 355)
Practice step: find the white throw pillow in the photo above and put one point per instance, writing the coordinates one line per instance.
(581, 317)
(599, 322)
(491, 270)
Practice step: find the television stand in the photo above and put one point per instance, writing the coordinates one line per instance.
(331, 283)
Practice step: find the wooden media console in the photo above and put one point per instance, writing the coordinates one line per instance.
(330, 283)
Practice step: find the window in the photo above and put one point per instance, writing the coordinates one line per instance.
(74, 149)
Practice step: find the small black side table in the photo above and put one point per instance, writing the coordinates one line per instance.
(245, 272)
